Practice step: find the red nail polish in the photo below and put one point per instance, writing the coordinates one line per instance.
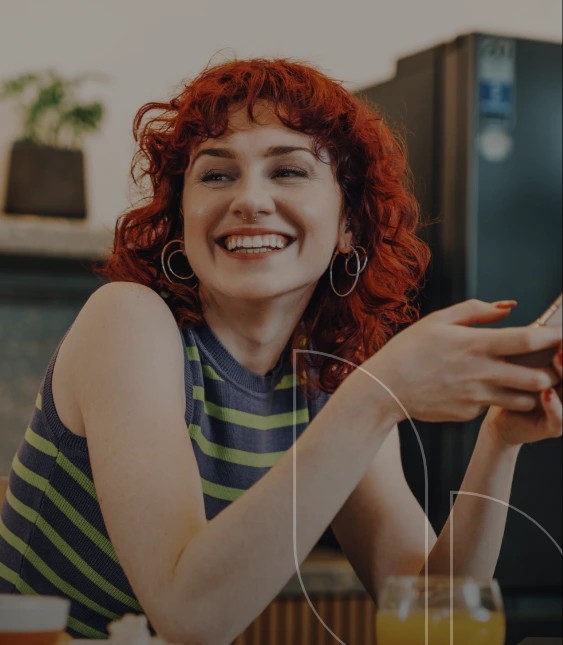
(548, 394)
(505, 304)
(560, 356)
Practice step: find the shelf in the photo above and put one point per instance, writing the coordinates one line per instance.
(36, 236)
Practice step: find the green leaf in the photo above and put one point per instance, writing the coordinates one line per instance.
(50, 111)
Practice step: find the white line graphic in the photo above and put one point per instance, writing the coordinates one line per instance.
(490, 499)
(426, 524)
(294, 499)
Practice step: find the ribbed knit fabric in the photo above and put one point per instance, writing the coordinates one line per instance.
(53, 538)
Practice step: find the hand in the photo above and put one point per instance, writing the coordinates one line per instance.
(543, 422)
(443, 369)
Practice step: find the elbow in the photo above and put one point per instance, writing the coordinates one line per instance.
(182, 634)
(189, 626)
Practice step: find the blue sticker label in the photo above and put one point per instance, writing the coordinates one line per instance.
(496, 72)
(496, 100)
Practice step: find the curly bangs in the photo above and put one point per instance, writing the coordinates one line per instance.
(370, 165)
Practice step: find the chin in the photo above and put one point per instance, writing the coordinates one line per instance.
(262, 290)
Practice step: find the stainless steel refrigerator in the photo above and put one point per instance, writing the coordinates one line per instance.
(481, 116)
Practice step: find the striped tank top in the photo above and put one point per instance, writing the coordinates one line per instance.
(53, 539)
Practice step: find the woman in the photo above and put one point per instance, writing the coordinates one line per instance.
(278, 235)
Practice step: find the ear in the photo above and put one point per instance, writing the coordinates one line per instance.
(344, 236)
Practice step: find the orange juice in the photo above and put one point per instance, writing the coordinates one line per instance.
(481, 628)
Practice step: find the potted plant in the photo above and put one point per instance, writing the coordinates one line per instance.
(46, 167)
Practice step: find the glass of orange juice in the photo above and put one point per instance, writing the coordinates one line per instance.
(440, 610)
(32, 620)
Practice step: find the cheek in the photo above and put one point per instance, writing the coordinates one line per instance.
(195, 239)
(199, 220)
(323, 224)
(320, 243)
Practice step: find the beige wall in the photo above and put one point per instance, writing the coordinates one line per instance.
(147, 47)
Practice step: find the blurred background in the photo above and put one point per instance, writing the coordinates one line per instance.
(147, 49)
(475, 88)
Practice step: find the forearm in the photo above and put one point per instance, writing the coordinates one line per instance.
(477, 520)
(231, 569)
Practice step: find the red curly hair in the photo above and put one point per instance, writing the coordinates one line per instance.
(369, 163)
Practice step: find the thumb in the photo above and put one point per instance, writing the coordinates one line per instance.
(475, 312)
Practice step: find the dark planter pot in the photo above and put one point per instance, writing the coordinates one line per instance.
(46, 181)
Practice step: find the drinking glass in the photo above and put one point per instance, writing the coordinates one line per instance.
(439, 610)
(32, 620)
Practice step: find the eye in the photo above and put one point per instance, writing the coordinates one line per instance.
(290, 171)
(215, 176)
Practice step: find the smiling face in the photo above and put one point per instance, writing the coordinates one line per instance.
(262, 214)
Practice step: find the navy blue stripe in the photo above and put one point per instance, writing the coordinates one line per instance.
(70, 574)
(271, 403)
(249, 439)
(219, 472)
(214, 506)
(8, 555)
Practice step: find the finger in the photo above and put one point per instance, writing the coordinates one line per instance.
(557, 362)
(553, 409)
(514, 400)
(526, 379)
(473, 312)
(513, 341)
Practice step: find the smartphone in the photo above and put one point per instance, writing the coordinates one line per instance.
(543, 357)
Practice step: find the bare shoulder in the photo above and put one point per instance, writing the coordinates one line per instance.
(124, 331)
(117, 299)
(121, 310)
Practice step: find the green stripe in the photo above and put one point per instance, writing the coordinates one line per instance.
(233, 455)
(49, 448)
(85, 630)
(79, 477)
(13, 577)
(221, 492)
(210, 373)
(67, 509)
(39, 443)
(68, 552)
(286, 382)
(28, 475)
(45, 570)
(193, 353)
(8, 574)
(39, 401)
(253, 421)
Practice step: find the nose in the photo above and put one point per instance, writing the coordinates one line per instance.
(251, 199)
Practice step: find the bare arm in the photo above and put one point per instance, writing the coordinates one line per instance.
(383, 530)
(127, 378)
(478, 517)
(128, 369)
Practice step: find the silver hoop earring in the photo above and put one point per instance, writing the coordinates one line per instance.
(361, 257)
(355, 275)
(165, 261)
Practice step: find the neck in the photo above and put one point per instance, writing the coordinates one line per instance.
(255, 333)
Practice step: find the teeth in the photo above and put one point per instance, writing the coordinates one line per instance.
(255, 243)
(260, 250)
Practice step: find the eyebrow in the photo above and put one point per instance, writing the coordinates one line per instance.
(272, 151)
